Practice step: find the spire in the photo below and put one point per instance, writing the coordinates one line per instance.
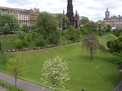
(63, 12)
(107, 14)
(70, 13)
(76, 14)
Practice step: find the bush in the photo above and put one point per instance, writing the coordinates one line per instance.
(40, 41)
(72, 34)
(19, 44)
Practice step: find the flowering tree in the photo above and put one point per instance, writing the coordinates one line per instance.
(55, 73)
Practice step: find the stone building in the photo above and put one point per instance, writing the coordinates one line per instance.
(23, 16)
(114, 21)
(73, 18)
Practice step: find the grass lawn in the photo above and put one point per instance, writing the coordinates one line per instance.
(8, 37)
(99, 74)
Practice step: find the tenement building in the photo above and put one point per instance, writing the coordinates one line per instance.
(114, 21)
(23, 16)
(73, 18)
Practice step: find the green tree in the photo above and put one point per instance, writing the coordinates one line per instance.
(115, 46)
(63, 21)
(25, 28)
(18, 44)
(55, 73)
(40, 41)
(16, 67)
(91, 27)
(84, 20)
(108, 28)
(72, 34)
(47, 25)
(10, 20)
(6, 28)
(92, 44)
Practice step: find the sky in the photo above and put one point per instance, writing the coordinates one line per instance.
(93, 9)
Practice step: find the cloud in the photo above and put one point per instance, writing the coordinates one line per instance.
(93, 9)
(18, 2)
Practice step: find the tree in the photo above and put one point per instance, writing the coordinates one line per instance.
(72, 34)
(84, 20)
(6, 28)
(108, 28)
(92, 44)
(25, 28)
(18, 44)
(63, 21)
(47, 25)
(10, 20)
(115, 46)
(16, 67)
(55, 73)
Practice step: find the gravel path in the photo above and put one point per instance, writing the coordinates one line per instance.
(24, 85)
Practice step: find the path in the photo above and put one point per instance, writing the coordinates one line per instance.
(3, 89)
(61, 45)
(119, 87)
(24, 85)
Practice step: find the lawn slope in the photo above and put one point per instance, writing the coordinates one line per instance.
(99, 74)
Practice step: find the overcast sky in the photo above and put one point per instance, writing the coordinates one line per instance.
(93, 9)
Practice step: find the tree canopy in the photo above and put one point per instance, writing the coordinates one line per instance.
(10, 20)
(47, 25)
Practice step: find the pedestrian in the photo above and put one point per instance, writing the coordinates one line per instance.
(82, 89)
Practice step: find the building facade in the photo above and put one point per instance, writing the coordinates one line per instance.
(114, 21)
(73, 18)
(23, 16)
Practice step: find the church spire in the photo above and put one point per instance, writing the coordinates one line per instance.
(70, 13)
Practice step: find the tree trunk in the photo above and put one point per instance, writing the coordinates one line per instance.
(15, 81)
(91, 53)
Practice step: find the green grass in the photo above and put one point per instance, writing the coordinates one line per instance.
(8, 37)
(99, 74)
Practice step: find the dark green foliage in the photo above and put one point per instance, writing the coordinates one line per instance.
(115, 45)
(100, 33)
(84, 20)
(72, 34)
(25, 28)
(84, 31)
(40, 41)
(10, 20)
(18, 44)
(23, 40)
(6, 28)
(91, 27)
(108, 28)
(118, 59)
(117, 32)
(47, 25)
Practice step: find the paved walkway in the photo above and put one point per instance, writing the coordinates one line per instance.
(119, 87)
(24, 85)
(3, 89)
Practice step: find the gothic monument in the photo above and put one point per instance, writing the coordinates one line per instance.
(74, 19)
